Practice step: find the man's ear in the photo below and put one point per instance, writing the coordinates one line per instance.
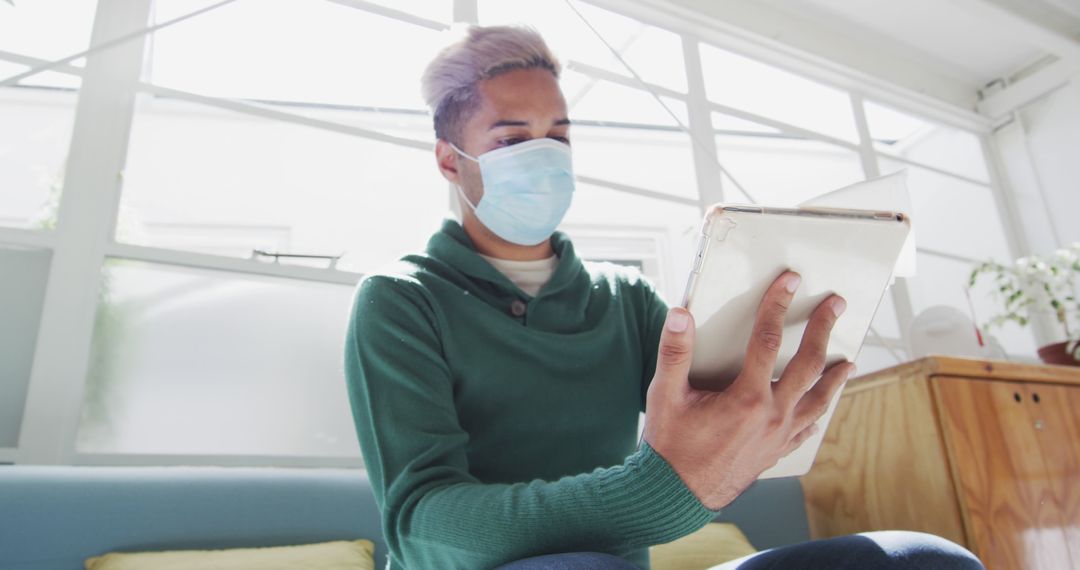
(447, 159)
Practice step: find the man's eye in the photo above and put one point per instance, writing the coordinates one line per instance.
(511, 140)
(562, 139)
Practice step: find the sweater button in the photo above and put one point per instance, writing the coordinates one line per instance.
(517, 308)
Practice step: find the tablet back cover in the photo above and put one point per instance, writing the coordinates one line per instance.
(742, 253)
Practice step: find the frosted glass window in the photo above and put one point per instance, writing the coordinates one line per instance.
(654, 53)
(653, 159)
(22, 293)
(749, 85)
(34, 143)
(48, 30)
(873, 358)
(212, 181)
(197, 361)
(294, 50)
(920, 140)
(597, 208)
(613, 102)
(952, 216)
(784, 171)
(38, 112)
(941, 281)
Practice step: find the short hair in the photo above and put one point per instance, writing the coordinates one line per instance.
(449, 83)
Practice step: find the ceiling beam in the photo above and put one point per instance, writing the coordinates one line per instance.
(1033, 21)
(1028, 89)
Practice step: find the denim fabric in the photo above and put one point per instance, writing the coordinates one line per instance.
(882, 550)
(571, 561)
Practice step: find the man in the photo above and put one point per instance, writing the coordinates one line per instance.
(496, 379)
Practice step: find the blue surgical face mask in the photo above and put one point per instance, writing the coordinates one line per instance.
(528, 187)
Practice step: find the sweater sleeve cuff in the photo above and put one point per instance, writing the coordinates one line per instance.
(652, 504)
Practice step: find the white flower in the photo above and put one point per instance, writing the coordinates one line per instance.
(1065, 256)
(1023, 263)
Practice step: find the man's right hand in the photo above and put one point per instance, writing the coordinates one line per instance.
(720, 442)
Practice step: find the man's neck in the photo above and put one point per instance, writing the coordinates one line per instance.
(492, 245)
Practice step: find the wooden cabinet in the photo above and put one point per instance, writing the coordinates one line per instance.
(984, 453)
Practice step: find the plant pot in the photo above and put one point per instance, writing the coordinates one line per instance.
(1055, 354)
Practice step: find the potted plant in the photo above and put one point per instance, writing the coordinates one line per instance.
(1037, 284)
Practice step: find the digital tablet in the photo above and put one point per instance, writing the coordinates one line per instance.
(743, 249)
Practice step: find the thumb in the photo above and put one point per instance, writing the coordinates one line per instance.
(675, 350)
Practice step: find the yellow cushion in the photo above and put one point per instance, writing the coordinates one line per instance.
(335, 555)
(714, 544)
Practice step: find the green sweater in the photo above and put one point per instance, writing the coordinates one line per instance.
(497, 426)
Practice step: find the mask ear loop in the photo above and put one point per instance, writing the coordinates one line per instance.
(461, 192)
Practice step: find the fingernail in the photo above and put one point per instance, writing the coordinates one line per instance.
(677, 321)
(851, 371)
(838, 306)
(793, 282)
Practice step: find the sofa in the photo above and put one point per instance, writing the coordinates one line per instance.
(53, 517)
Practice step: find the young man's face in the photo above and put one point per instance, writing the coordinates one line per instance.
(515, 106)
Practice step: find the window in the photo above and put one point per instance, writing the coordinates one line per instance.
(37, 111)
(194, 361)
(310, 137)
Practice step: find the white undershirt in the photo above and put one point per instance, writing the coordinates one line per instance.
(529, 276)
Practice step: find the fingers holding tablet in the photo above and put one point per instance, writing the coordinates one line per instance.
(767, 335)
(808, 364)
(815, 402)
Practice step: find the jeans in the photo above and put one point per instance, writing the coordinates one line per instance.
(882, 550)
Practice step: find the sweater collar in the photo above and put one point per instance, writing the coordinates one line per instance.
(454, 247)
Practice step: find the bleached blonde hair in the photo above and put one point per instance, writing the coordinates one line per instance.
(449, 83)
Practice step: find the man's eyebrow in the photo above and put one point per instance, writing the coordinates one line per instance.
(510, 123)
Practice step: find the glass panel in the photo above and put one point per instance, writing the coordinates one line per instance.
(779, 170)
(654, 53)
(603, 101)
(952, 216)
(197, 361)
(677, 226)
(885, 320)
(201, 179)
(37, 113)
(749, 85)
(873, 358)
(631, 156)
(332, 57)
(48, 30)
(437, 10)
(947, 148)
(22, 293)
(33, 150)
(942, 281)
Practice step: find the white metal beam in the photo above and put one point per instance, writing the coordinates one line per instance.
(85, 224)
(232, 264)
(709, 177)
(28, 238)
(392, 13)
(1028, 89)
(895, 82)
